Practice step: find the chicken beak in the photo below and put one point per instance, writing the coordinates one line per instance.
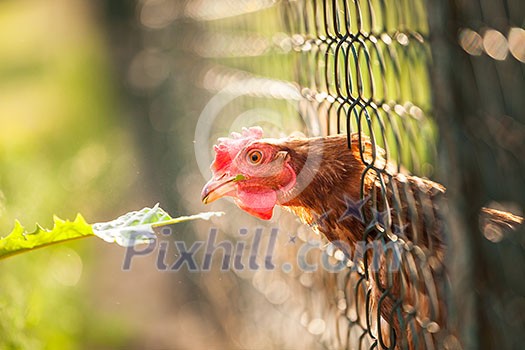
(219, 187)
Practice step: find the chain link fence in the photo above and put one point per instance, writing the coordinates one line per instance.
(432, 84)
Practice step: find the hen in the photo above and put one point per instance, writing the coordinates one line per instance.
(349, 194)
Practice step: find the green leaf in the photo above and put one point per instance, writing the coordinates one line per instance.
(127, 230)
(137, 227)
(20, 241)
(132, 228)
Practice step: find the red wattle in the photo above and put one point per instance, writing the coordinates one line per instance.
(257, 201)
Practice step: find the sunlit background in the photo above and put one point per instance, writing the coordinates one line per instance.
(94, 121)
(66, 146)
(99, 106)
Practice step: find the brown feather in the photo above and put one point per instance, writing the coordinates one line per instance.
(412, 203)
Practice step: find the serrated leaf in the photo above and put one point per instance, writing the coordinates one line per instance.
(137, 227)
(127, 230)
(19, 241)
(132, 228)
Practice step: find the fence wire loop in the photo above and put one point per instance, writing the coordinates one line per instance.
(363, 68)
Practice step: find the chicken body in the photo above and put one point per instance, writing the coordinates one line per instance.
(351, 195)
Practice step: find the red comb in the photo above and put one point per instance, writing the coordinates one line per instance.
(227, 148)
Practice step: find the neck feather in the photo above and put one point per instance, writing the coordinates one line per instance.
(327, 171)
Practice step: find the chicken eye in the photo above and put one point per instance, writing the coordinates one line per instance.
(255, 157)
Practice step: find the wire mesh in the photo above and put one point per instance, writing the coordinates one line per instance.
(356, 67)
(329, 67)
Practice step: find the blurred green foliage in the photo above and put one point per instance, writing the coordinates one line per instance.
(61, 151)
